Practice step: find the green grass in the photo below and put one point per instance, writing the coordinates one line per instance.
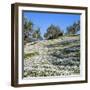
(78, 53)
(30, 54)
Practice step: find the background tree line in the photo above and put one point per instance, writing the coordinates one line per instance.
(32, 33)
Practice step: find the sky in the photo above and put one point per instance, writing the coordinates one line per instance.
(44, 20)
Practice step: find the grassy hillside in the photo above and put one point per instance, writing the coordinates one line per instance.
(57, 57)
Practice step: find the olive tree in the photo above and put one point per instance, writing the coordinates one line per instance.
(53, 32)
(73, 29)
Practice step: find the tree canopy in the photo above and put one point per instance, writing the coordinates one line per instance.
(73, 29)
(53, 32)
(31, 33)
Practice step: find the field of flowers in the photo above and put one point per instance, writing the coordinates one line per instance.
(56, 57)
